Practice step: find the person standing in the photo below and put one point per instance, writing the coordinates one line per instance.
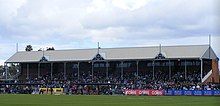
(51, 90)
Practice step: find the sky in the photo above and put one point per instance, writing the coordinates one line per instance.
(70, 24)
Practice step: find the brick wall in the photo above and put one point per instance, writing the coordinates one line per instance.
(215, 74)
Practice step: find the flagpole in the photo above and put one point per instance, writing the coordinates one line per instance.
(17, 47)
(160, 49)
(98, 47)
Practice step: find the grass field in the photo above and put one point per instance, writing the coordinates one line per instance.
(92, 100)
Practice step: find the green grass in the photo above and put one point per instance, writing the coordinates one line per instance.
(92, 100)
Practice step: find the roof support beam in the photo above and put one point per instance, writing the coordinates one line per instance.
(6, 70)
(38, 70)
(153, 69)
(107, 65)
(122, 69)
(185, 71)
(92, 69)
(137, 62)
(201, 69)
(27, 77)
(169, 70)
(51, 71)
(64, 69)
(78, 65)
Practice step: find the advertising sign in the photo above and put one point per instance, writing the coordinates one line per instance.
(187, 92)
(207, 93)
(174, 92)
(197, 92)
(145, 92)
(216, 92)
(177, 92)
(55, 90)
(168, 93)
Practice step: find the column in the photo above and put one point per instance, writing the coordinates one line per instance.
(92, 69)
(6, 71)
(122, 65)
(107, 65)
(38, 70)
(153, 69)
(27, 71)
(201, 68)
(19, 65)
(78, 70)
(137, 68)
(51, 71)
(170, 70)
(64, 69)
(185, 70)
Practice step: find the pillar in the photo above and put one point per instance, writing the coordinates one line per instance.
(122, 68)
(153, 69)
(64, 69)
(107, 65)
(137, 68)
(185, 71)
(51, 71)
(27, 71)
(78, 70)
(170, 70)
(38, 70)
(92, 69)
(19, 68)
(6, 71)
(201, 69)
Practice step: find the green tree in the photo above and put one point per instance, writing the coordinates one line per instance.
(28, 48)
(50, 48)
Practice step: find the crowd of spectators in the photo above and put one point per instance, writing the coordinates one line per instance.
(113, 84)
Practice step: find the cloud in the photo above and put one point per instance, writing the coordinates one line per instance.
(45, 19)
(8, 9)
(180, 16)
(129, 4)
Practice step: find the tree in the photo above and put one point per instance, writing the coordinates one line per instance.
(28, 48)
(50, 48)
(40, 49)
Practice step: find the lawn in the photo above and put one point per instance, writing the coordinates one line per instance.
(92, 100)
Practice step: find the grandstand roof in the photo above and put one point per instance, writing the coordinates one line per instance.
(126, 53)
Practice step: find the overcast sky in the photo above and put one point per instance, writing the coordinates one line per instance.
(69, 24)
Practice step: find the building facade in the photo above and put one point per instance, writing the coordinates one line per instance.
(170, 62)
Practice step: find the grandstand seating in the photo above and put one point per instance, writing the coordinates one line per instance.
(144, 79)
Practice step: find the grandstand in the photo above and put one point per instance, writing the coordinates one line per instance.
(129, 67)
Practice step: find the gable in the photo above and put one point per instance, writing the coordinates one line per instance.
(209, 54)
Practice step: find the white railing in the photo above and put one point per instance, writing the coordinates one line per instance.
(15, 76)
(207, 76)
(9, 76)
